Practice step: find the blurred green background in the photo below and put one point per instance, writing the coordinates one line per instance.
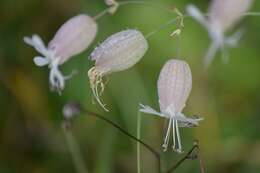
(226, 95)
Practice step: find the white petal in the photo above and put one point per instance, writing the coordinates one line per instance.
(183, 121)
(40, 61)
(233, 40)
(149, 110)
(37, 43)
(194, 12)
(28, 41)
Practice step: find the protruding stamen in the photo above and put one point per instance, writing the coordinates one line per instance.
(96, 84)
(176, 137)
(57, 80)
(166, 139)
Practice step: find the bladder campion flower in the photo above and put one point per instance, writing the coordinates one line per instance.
(72, 38)
(222, 16)
(118, 52)
(174, 86)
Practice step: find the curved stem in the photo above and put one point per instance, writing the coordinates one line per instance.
(189, 156)
(169, 22)
(156, 154)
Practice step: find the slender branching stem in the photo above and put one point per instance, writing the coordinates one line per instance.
(165, 25)
(73, 108)
(155, 153)
(189, 156)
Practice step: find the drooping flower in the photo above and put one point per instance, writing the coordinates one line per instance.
(72, 38)
(222, 16)
(118, 52)
(174, 86)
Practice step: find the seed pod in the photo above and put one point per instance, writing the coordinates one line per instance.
(118, 52)
(72, 38)
(224, 14)
(174, 85)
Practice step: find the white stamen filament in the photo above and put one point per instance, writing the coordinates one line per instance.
(176, 120)
(57, 80)
(96, 81)
(174, 134)
(177, 134)
(167, 136)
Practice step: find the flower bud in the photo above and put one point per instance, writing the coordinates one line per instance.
(118, 52)
(71, 109)
(174, 85)
(72, 38)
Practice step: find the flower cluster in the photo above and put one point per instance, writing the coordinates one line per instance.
(124, 49)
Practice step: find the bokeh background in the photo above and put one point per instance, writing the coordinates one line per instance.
(226, 95)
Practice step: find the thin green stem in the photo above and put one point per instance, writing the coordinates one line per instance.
(178, 49)
(137, 2)
(73, 148)
(72, 108)
(165, 25)
(153, 151)
(189, 156)
(201, 162)
(252, 13)
(182, 160)
(138, 149)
